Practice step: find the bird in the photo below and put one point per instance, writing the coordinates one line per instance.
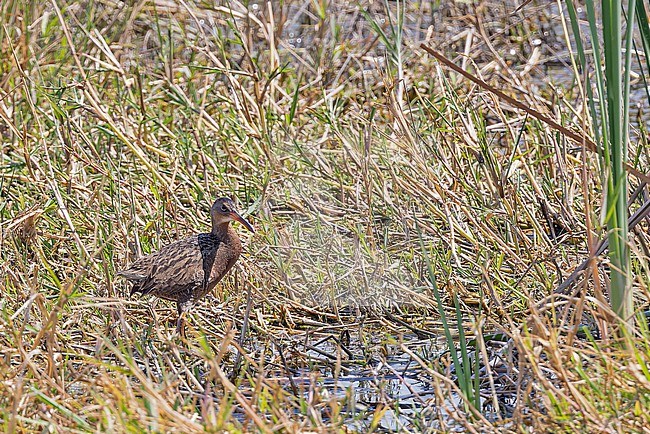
(186, 270)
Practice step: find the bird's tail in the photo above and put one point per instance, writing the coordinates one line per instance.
(135, 278)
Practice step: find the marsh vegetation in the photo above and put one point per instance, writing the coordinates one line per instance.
(414, 226)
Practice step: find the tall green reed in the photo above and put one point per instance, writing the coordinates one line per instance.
(610, 113)
(466, 367)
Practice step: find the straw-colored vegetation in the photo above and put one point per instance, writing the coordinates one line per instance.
(383, 186)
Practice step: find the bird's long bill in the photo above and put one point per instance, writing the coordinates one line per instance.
(242, 220)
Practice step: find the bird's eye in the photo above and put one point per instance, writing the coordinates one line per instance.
(224, 208)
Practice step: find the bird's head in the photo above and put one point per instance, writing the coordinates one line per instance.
(223, 212)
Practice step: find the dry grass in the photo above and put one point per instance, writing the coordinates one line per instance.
(120, 123)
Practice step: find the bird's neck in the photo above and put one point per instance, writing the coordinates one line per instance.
(220, 229)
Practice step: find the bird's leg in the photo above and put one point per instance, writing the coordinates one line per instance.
(180, 325)
(183, 306)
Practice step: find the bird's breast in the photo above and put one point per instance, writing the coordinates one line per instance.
(218, 254)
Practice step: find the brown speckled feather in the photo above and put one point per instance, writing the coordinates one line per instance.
(188, 269)
(178, 271)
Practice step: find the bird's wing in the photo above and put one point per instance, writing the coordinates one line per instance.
(175, 270)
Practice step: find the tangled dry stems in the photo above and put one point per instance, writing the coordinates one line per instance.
(121, 123)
